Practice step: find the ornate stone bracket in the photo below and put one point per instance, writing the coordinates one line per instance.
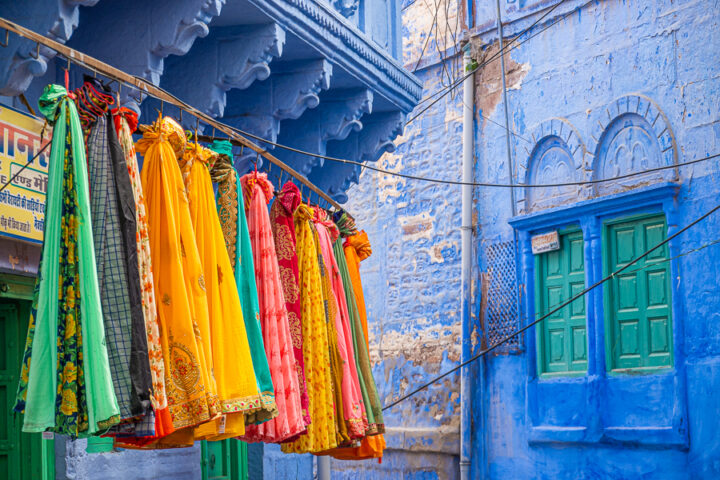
(347, 8)
(293, 88)
(379, 131)
(157, 33)
(230, 58)
(55, 19)
(339, 114)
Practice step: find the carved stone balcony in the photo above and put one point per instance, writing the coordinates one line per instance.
(321, 76)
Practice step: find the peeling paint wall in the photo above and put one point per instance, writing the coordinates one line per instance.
(412, 280)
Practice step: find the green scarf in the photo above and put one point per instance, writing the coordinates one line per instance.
(68, 390)
(235, 230)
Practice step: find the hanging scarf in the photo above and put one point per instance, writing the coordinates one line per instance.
(321, 433)
(228, 340)
(112, 206)
(283, 226)
(357, 248)
(353, 406)
(257, 191)
(126, 123)
(68, 390)
(237, 241)
(372, 446)
(336, 361)
(179, 284)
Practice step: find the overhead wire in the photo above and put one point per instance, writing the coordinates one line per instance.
(443, 92)
(509, 46)
(476, 184)
(554, 310)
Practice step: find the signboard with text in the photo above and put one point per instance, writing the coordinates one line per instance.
(546, 242)
(22, 202)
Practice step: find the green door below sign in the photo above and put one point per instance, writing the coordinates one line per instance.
(23, 456)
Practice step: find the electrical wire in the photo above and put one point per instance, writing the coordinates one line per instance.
(506, 49)
(474, 184)
(554, 310)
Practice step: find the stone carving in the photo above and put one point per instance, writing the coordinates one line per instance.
(557, 156)
(632, 135)
(338, 114)
(551, 162)
(293, 88)
(159, 29)
(230, 58)
(347, 8)
(376, 137)
(55, 19)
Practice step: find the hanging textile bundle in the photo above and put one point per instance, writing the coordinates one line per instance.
(69, 389)
(353, 407)
(257, 191)
(348, 260)
(336, 371)
(283, 227)
(226, 339)
(112, 207)
(126, 123)
(237, 242)
(179, 283)
(321, 433)
(165, 313)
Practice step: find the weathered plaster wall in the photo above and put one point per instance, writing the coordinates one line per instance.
(178, 464)
(412, 280)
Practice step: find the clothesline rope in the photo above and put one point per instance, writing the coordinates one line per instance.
(147, 88)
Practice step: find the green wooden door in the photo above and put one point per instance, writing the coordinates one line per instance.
(562, 337)
(23, 456)
(638, 301)
(224, 460)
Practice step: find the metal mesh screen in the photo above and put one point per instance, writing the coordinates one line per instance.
(501, 312)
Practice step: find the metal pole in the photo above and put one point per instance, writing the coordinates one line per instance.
(466, 259)
(323, 466)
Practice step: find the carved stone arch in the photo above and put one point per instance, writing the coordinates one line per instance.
(557, 155)
(632, 134)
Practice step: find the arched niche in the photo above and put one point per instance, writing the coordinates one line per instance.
(557, 156)
(635, 137)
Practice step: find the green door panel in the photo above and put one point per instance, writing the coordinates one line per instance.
(638, 317)
(23, 456)
(224, 460)
(562, 337)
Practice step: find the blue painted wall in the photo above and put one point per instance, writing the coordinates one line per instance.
(661, 56)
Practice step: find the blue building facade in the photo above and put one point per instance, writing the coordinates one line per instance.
(622, 383)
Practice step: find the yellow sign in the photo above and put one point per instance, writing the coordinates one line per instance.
(22, 202)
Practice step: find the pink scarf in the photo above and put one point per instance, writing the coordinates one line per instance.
(257, 191)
